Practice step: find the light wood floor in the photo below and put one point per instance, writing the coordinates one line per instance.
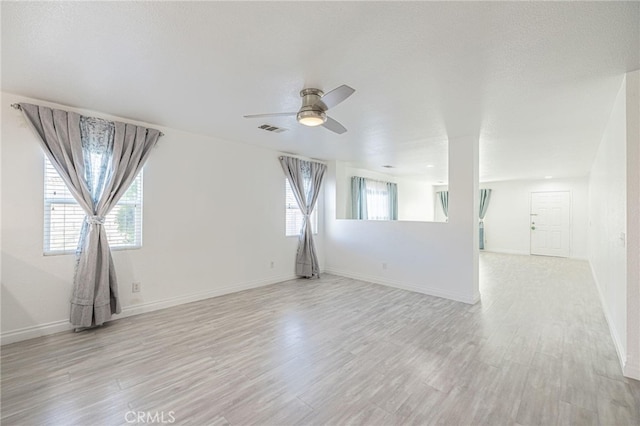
(536, 350)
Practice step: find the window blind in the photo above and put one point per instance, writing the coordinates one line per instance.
(293, 221)
(63, 217)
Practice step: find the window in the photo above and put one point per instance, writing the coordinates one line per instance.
(374, 200)
(378, 200)
(294, 216)
(63, 217)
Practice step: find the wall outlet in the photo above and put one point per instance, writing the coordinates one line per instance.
(135, 287)
(384, 265)
(272, 264)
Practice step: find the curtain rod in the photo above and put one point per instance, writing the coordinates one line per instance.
(18, 107)
(300, 157)
(377, 180)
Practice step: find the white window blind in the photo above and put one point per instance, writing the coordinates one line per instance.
(63, 217)
(294, 216)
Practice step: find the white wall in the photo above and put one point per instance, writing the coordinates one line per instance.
(415, 200)
(608, 223)
(507, 223)
(415, 197)
(632, 367)
(433, 258)
(213, 222)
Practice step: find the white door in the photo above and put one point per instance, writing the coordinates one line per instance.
(550, 223)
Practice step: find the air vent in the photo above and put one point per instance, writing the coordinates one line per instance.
(270, 128)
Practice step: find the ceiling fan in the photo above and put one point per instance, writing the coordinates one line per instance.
(315, 103)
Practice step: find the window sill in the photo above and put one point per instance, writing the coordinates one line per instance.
(66, 252)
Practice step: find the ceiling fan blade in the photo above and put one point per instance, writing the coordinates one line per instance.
(334, 97)
(275, 114)
(334, 126)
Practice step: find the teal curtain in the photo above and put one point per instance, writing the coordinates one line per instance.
(444, 202)
(373, 199)
(393, 200)
(485, 196)
(358, 198)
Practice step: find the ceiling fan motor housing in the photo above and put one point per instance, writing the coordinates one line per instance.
(312, 112)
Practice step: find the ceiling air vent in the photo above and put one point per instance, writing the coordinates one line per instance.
(270, 128)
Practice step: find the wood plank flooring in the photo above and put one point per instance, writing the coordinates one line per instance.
(535, 351)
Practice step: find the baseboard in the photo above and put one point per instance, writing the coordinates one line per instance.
(631, 369)
(32, 332)
(40, 330)
(622, 356)
(406, 286)
(501, 251)
(526, 253)
(194, 297)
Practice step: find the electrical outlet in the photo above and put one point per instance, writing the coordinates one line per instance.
(135, 287)
(272, 264)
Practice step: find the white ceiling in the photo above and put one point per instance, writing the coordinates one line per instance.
(536, 81)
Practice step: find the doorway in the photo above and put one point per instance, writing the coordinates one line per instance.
(550, 223)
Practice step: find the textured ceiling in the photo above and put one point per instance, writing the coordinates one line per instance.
(536, 81)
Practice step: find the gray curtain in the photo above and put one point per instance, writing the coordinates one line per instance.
(444, 202)
(393, 200)
(97, 160)
(305, 178)
(485, 196)
(358, 198)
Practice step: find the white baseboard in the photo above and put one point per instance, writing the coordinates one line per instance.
(407, 286)
(180, 300)
(631, 369)
(128, 311)
(506, 251)
(524, 253)
(622, 356)
(34, 331)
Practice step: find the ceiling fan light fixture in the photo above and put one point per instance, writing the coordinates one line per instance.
(314, 104)
(312, 118)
